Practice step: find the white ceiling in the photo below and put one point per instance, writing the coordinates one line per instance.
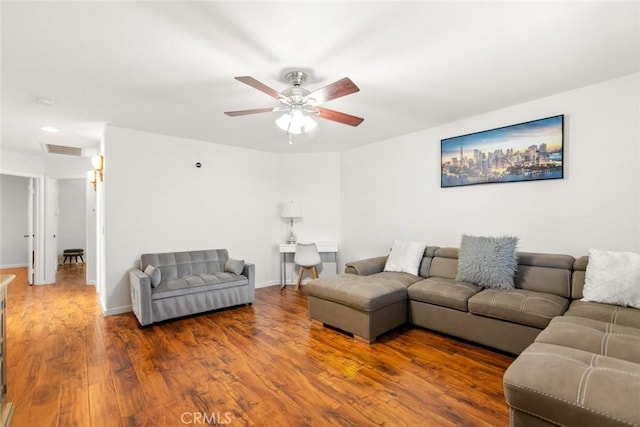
(168, 67)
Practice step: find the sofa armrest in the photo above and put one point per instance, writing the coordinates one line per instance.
(141, 296)
(365, 267)
(249, 271)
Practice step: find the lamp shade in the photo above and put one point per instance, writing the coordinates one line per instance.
(295, 122)
(291, 210)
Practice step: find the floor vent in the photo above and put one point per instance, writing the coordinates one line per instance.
(62, 149)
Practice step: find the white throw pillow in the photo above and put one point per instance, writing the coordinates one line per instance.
(405, 257)
(613, 278)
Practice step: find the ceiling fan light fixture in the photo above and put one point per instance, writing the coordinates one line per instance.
(309, 124)
(297, 119)
(295, 122)
(284, 123)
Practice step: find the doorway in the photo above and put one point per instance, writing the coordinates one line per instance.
(72, 219)
(16, 203)
(22, 224)
(30, 205)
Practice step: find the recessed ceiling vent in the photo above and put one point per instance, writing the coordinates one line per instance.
(62, 149)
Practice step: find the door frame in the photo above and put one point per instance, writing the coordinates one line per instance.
(31, 191)
(38, 257)
(51, 229)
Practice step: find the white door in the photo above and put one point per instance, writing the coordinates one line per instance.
(29, 235)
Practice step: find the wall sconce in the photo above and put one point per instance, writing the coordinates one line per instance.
(92, 177)
(98, 164)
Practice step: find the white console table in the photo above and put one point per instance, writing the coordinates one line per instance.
(290, 248)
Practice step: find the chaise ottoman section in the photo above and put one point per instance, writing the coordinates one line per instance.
(365, 306)
(571, 387)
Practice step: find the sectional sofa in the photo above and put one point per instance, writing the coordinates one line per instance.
(578, 363)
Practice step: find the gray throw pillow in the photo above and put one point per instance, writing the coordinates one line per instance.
(489, 262)
(234, 266)
(154, 275)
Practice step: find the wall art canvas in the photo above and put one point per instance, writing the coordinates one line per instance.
(523, 152)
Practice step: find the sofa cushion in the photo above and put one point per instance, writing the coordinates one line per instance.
(614, 314)
(613, 278)
(578, 275)
(594, 336)
(444, 292)
(405, 257)
(366, 293)
(174, 265)
(489, 262)
(199, 283)
(573, 387)
(444, 263)
(518, 305)
(550, 273)
(406, 279)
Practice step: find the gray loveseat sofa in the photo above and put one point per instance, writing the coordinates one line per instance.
(186, 283)
(578, 363)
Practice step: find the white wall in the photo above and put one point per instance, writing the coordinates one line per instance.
(14, 191)
(72, 217)
(91, 234)
(14, 163)
(156, 200)
(53, 165)
(61, 166)
(391, 190)
(313, 180)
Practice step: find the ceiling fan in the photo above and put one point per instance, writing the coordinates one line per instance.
(298, 104)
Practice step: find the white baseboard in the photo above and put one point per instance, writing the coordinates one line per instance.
(267, 284)
(277, 282)
(115, 310)
(14, 265)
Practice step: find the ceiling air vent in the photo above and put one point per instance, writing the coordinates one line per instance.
(62, 149)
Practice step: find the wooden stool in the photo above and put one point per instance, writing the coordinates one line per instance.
(73, 253)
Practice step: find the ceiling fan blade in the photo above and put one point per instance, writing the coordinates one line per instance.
(245, 112)
(334, 90)
(260, 86)
(339, 117)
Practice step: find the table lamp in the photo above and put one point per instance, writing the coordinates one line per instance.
(291, 210)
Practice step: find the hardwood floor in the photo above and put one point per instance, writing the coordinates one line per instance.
(263, 365)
